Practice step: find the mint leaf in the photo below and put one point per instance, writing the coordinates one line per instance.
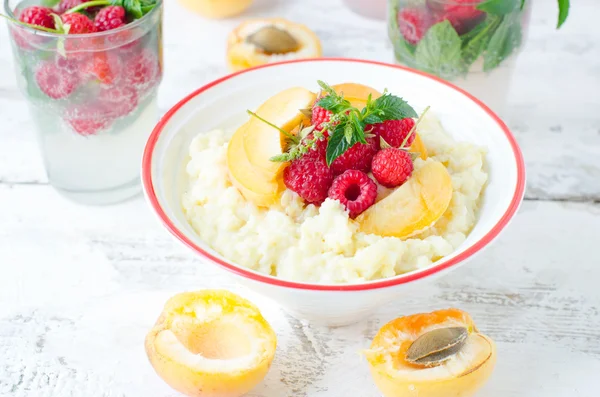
(328, 102)
(563, 12)
(50, 3)
(391, 107)
(439, 52)
(372, 119)
(337, 144)
(348, 132)
(478, 39)
(499, 7)
(505, 40)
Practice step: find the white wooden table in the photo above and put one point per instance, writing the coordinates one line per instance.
(80, 286)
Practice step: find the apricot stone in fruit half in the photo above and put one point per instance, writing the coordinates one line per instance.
(211, 343)
(413, 207)
(455, 359)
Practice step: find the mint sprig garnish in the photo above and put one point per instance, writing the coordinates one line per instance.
(346, 126)
(135, 9)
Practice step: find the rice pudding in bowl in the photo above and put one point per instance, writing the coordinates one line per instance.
(291, 238)
(222, 105)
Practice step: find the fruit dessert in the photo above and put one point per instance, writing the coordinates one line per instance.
(342, 185)
(437, 354)
(211, 343)
(90, 72)
(260, 41)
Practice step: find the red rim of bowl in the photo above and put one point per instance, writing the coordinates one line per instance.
(389, 282)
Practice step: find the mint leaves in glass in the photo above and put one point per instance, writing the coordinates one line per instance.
(453, 39)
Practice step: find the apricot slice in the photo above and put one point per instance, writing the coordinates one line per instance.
(211, 343)
(418, 147)
(260, 41)
(254, 185)
(262, 141)
(357, 94)
(448, 366)
(413, 207)
(217, 9)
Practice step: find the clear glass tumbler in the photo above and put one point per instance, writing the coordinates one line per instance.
(472, 43)
(93, 100)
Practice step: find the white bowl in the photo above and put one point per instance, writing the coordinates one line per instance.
(222, 104)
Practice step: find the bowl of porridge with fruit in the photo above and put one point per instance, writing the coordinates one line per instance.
(333, 186)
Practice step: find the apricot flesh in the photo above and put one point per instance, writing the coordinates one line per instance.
(413, 207)
(211, 343)
(251, 182)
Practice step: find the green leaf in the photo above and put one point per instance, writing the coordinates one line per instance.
(505, 40)
(563, 12)
(133, 8)
(358, 128)
(50, 3)
(327, 88)
(391, 107)
(499, 7)
(348, 132)
(439, 52)
(476, 44)
(337, 144)
(372, 119)
(328, 102)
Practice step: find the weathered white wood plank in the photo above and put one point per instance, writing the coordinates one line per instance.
(80, 287)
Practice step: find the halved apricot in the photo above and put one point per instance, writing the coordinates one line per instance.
(211, 343)
(457, 359)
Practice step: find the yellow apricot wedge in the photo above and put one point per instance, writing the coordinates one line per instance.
(254, 185)
(459, 374)
(357, 94)
(413, 207)
(262, 141)
(211, 343)
(418, 147)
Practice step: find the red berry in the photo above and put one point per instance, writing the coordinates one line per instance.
(141, 70)
(394, 132)
(120, 101)
(413, 23)
(462, 14)
(55, 81)
(355, 190)
(88, 119)
(392, 167)
(110, 17)
(79, 23)
(309, 176)
(358, 157)
(319, 116)
(104, 66)
(66, 5)
(40, 16)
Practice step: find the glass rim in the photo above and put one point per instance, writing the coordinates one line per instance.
(106, 33)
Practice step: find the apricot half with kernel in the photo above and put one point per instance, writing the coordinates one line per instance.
(211, 343)
(260, 41)
(437, 354)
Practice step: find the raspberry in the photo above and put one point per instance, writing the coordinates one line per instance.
(110, 17)
(104, 66)
(66, 5)
(120, 101)
(319, 116)
(309, 176)
(54, 81)
(394, 131)
(392, 167)
(355, 190)
(88, 119)
(358, 157)
(413, 23)
(79, 23)
(462, 14)
(39, 16)
(141, 70)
